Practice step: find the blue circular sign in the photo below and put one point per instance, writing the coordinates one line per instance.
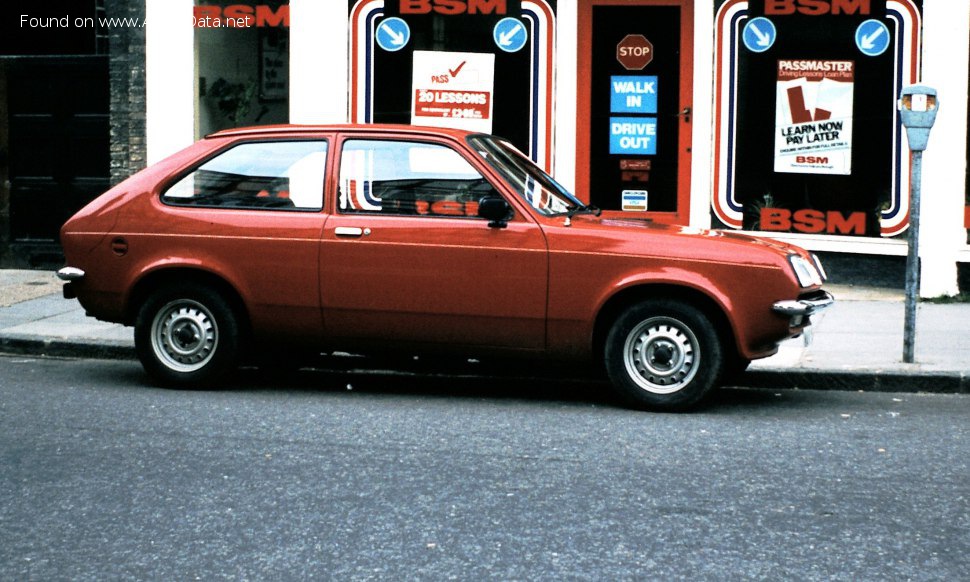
(759, 34)
(872, 38)
(392, 34)
(510, 34)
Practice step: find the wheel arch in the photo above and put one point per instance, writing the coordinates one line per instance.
(160, 278)
(630, 296)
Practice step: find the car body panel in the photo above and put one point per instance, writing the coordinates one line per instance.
(434, 280)
(540, 285)
(730, 275)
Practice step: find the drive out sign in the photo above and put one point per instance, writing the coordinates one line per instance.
(633, 136)
(634, 52)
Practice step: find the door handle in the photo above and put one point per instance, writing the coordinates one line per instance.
(354, 231)
(685, 114)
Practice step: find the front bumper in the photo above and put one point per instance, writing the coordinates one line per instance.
(70, 275)
(801, 308)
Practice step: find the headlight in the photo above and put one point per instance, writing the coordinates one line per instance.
(806, 272)
(821, 269)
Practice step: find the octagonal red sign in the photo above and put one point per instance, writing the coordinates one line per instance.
(634, 52)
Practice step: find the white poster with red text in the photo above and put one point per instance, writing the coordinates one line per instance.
(813, 117)
(452, 89)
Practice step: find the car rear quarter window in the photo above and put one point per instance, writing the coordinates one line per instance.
(408, 178)
(277, 175)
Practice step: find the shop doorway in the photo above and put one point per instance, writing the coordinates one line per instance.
(54, 146)
(634, 100)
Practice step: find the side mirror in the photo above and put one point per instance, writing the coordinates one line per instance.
(496, 210)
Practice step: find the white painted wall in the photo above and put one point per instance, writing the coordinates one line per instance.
(702, 116)
(946, 38)
(170, 70)
(564, 152)
(319, 61)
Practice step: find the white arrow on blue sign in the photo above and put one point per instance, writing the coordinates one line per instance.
(392, 34)
(872, 38)
(759, 34)
(510, 34)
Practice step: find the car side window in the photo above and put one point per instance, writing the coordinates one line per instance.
(279, 175)
(408, 178)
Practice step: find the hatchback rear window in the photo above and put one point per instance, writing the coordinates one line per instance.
(280, 175)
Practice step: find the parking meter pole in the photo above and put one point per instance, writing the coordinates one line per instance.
(918, 105)
(912, 261)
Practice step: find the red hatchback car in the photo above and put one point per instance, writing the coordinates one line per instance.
(359, 238)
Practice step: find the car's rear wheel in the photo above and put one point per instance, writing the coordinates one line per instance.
(187, 335)
(663, 355)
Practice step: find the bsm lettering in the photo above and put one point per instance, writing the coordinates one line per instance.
(453, 7)
(817, 7)
(813, 221)
(262, 15)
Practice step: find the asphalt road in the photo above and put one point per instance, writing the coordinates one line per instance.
(329, 476)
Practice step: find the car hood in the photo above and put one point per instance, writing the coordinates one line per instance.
(649, 234)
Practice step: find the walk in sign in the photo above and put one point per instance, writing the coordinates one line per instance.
(633, 94)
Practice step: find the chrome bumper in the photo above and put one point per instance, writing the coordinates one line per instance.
(70, 274)
(805, 306)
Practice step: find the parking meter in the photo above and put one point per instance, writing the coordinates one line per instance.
(918, 105)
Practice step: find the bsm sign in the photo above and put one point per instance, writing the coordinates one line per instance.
(240, 16)
(453, 7)
(813, 221)
(817, 7)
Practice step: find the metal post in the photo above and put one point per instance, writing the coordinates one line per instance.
(918, 105)
(912, 261)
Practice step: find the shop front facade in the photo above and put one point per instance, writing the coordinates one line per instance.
(771, 116)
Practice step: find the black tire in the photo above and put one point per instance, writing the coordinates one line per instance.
(734, 368)
(663, 355)
(188, 336)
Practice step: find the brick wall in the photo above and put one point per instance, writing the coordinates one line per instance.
(127, 73)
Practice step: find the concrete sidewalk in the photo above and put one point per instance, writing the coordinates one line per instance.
(855, 345)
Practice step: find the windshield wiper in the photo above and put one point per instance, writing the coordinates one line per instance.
(582, 209)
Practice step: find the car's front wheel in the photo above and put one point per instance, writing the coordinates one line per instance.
(187, 335)
(663, 355)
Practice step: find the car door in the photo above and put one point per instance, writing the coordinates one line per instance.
(405, 258)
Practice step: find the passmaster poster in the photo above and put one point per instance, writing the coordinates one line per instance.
(813, 117)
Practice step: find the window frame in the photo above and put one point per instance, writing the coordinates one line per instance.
(421, 140)
(195, 165)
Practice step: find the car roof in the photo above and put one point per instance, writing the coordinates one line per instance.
(264, 130)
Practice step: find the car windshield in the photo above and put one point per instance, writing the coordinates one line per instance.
(528, 180)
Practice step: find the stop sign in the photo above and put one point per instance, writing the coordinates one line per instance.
(634, 52)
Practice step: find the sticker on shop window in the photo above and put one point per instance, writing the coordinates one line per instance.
(635, 200)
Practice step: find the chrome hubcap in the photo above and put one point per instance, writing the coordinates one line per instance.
(661, 355)
(184, 335)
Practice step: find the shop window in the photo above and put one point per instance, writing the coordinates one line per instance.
(481, 65)
(807, 133)
(243, 61)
